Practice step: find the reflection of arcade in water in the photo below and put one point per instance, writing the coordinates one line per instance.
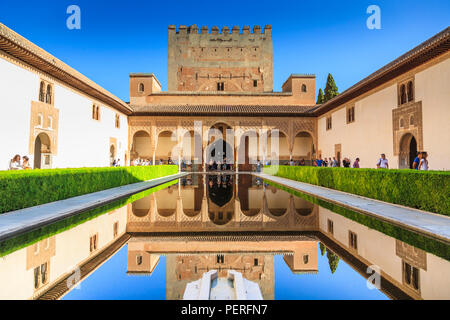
(218, 202)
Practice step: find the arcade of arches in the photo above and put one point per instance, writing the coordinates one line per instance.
(214, 200)
(224, 140)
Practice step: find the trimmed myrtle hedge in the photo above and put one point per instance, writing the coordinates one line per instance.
(24, 240)
(425, 243)
(427, 191)
(23, 189)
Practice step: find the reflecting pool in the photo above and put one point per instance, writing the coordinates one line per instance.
(151, 245)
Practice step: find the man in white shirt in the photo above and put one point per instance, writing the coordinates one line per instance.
(383, 162)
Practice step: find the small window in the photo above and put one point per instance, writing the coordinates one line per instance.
(330, 226)
(141, 87)
(50, 122)
(402, 123)
(42, 92)
(116, 229)
(410, 91)
(351, 115)
(411, 276)
(255, 83)
(303, 87)
(138, 260)
(305, 259)
(93, 243)
(411, 121)
(117, 121)
(352, 240)
(220, 86)
(329, 123)
(48, 95)
(95, 112)
(255, 262)
(402, 94)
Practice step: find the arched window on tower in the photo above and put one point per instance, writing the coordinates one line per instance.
(48, 95)
(141, 87)
(402, 94)
(42, 92)
(410, 91)
(303, 87)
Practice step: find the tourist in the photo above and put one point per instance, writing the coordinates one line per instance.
(302, 162)
(383, 162)
(423, 165)
(346, 163)
(325, 162)
(14, 163)
(26, 163)
(335, 163)
(161, 162)
(319, 162)
(356, 163)
(416, 162)
(258, 166)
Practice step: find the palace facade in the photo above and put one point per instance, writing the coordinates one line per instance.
(222, 80)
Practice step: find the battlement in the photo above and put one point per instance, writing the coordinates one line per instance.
(204, 30)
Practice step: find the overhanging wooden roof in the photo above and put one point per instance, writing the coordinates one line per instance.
(223, 110)
(432, 48)
(20, 48)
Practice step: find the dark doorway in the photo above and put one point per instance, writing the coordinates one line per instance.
(412, 151)
(37, 152)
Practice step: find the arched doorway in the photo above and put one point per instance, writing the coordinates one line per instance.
(408, 151)
(141, 147)
(42, 152)
(218, 150)
(112, 154)
(303, 147)
(165, 147)
(248, 150)
(191, 151)
(277, 149)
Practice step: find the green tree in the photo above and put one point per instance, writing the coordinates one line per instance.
(331, 90)
(322, 249)
(320, 97)
(333, 260)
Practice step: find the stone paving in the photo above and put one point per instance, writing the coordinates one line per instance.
(21, 221)
(434, 225)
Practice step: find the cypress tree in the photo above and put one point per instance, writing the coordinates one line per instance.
(322, 248)
(331, 90)
(320, 97)
(333, 260)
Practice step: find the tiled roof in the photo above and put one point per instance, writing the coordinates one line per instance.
(26, 51)
(229, 110)
(431, 48)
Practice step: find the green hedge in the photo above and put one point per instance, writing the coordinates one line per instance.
(27, 239)
(427, 191)
(417, 240)
(23, 189)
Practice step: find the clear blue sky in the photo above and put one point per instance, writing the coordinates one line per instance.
(110, 282)
(120, 37)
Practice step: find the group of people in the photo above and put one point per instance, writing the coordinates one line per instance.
(142, 162)
(219, 166)
(346, 163)
(116, 163)
(19, 163)
(421, 161)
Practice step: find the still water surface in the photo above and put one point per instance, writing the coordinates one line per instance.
(293, 246)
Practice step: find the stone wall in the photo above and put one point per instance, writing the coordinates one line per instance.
(198, 61)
